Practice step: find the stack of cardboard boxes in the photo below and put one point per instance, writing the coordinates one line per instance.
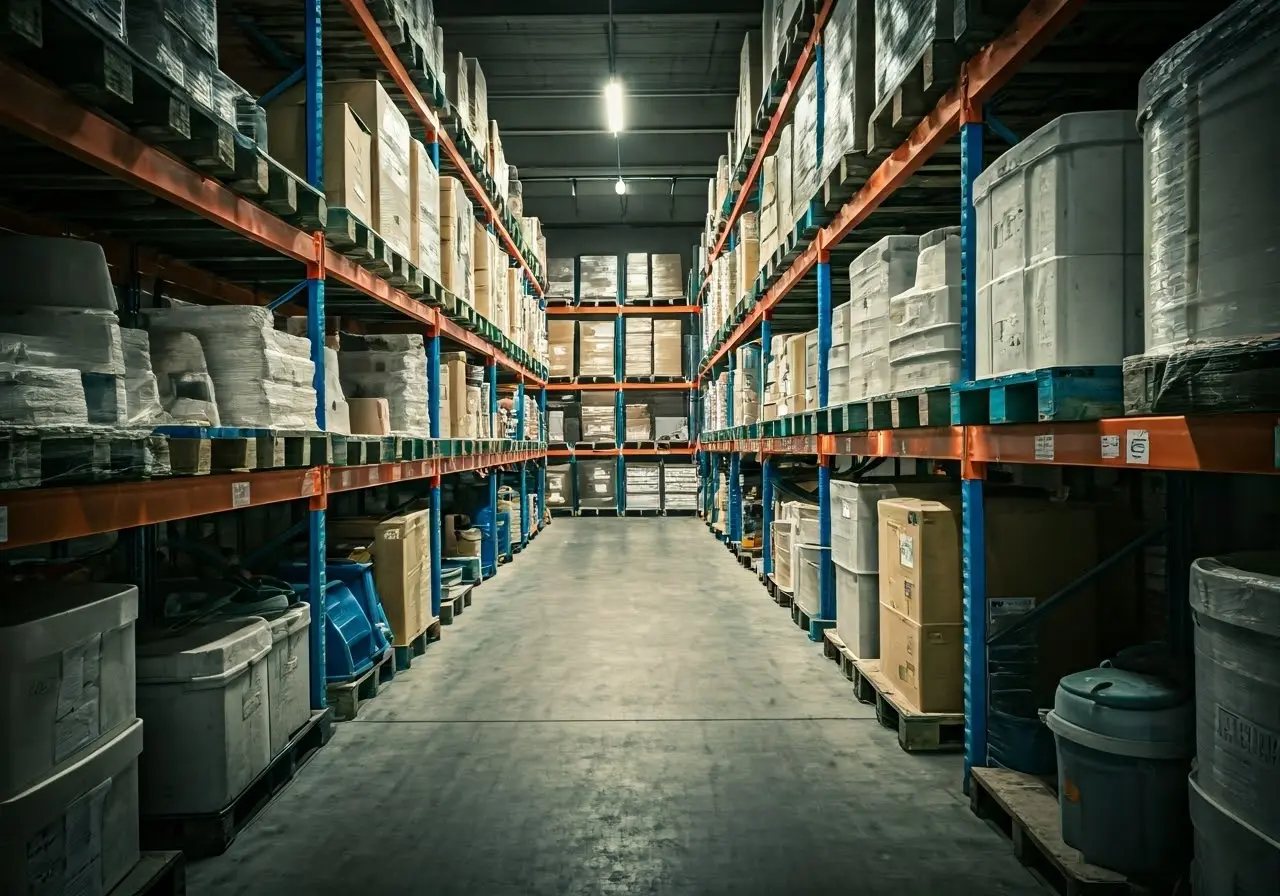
(668, 348)
(638, 353)
(595, 348)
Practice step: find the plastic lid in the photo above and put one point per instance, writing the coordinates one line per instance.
(202, 651)
(1240, 589)
(1122, 689)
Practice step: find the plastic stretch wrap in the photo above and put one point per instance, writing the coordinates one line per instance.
(639, 422)
(904, 28)
(924, 321)
(1236, 604)
(559, 485)
(785, 181)
(263, 378)
(478, 95)
(182, 377)
(198, 20)
(40, 396)
(198, 67)
(155, 38)
(457, 234)
(86, 341)
(637, 275)
(393, 367)
(644, 485)
(598, 276)
(595, 348)
(141, 389)
(598, 424)
(878, 274)
(849, 71)
(54, 272)
(427, 221)
(804, 155)
(515, 194)
(1213, 272)
(667, 279)
(597, 482)
(337, 416)
(110, 14)
(456, 89)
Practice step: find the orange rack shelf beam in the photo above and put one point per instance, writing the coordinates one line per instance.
(614, 310)
(37, 516)
(378, 41)
(1227, 444)
(620, 387)
(985, 73)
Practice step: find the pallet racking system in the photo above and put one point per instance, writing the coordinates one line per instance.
(799, 295)
(621, 385)
(204, 239)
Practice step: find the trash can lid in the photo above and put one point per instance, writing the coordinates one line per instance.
(1122, 689)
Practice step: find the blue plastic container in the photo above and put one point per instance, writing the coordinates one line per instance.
(358, 577)
(349, 640)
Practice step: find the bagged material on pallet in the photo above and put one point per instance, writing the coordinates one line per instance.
(59, 272)
(262, 377)
(393, 367)
(40, 396)
(182, 377)
(62, 338)
(141, 389)
(904, 30)
(875, 276)
(924, 321)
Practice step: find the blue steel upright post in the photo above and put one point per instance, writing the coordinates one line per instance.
(492, 370)
(314, 117)
(734, 523)
(766, 462)
(524, 479)
(542, 467)
(433, 405)
(619, 405)
(826, 569)
(973, 537)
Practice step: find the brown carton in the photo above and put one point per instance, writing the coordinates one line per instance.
(560, 347)
(920, 560)
(923, 663)
(456, 238)
(370, 416)
(401, 549)
(668, 348)
(348, 149)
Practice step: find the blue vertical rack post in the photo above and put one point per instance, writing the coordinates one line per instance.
(620, 398)
(973, 521)
(826, 569)
(766, 463)
(524, 479)
(491, 368)
(542, 467)
(733, 525)
(433, 405)
(314, 116)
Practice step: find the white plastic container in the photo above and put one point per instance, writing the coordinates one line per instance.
(855, 526)
(66, 676)
(1060, 269)
(288, 673)
(806, 557)
(781, 538)
(875, 276)
(203, 695)
(76, 831)
(924, 321)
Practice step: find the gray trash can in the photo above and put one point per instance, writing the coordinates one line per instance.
(1124, 742)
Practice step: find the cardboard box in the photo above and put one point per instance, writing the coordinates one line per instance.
(489, 269)
(478, 95)
(668, 348)
(424, 193)
(561, 340)
(370, 416)
(595, 347)
(457, 234)
(638, 348)
(348, 152)
(401, 549)
(923, 663)
(920, 573)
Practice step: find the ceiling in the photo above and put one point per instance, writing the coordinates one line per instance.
(545, 67)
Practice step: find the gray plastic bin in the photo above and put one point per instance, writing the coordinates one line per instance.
(1124, 743)
(1233, 858)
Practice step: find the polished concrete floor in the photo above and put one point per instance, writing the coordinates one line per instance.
(622, 711)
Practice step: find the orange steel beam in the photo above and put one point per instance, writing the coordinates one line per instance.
(346, 479)
(806, 58)
(613, 311)
(984, 74)
(38, 516)
(929, 442)
(378, 41)
(1230, 443)
(619, 387)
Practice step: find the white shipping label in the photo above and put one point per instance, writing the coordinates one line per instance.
(1137, 446)
(1110, 447)
(240, 494)
(845, 511)
(1044, 447)
(906, 551)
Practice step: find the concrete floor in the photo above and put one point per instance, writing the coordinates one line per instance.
(623, 711)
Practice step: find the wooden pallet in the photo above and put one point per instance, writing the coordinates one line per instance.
(1050, 394)
(656, 301)
(901, 410)
(455, 602)
(924, 82)
(834, 649)
(156, 874)
(808, 621)
(1026, 811)
(345, 698)
(595, 379)
(781, 597)
(227, 449)
(597, 301)
(32, 457)
(918, 732)
(417, 646)
(209, 834)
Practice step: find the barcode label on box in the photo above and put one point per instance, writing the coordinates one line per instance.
(1044, 447)
(1137, 446)
(240, 494)
(906, 551)
(1110, 447)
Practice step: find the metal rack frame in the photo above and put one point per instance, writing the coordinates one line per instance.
(1234, 443)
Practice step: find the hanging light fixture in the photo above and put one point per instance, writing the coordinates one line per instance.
(620, 186)
(613, 105)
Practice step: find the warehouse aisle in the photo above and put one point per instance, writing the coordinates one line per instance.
(623, 711)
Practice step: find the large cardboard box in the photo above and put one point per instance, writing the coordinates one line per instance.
(924, 663)
(457, 233)
(668, 348)
(445, 414)
(638, 348)
(389, 158)
(401, 549)
(595, 347)
(920, 575)
(370, 416)
(424, 182)
(489, 269)
(348, 152)
(560, 347)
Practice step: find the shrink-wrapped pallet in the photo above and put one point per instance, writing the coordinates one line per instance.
(637, 276)
(560, 278)
(804, 156)
(186, 390)
(667, 279)
(924, 321)
(638, 348)
(595, 348)
(878, 274)
(393, 367)
(426, 220)
(457, 225)
(598, 277)
(62, 338)
(904, 31)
